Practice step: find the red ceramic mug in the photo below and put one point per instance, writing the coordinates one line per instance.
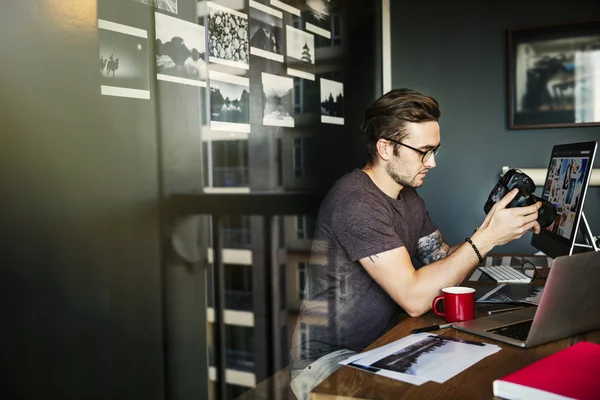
(459, 303)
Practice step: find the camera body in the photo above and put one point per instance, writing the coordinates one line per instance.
(512, 179)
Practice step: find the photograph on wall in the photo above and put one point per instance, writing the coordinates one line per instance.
(266, 32)
(317, 17)
(229, 102)
(165, 5)
(124, 68)
(228, 36)
(300, 50)
(554, 76)
(180, 51)
(278, 100)
(291, 6)
(332, 102)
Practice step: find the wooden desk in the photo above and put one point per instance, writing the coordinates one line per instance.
(473, 383)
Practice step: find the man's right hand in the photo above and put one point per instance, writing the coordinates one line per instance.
(503, 225)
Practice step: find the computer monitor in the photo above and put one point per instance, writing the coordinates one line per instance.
(565, 186)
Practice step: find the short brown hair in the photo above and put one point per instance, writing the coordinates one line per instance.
(388, 115)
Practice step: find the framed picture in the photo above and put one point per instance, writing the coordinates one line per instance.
(554, 75)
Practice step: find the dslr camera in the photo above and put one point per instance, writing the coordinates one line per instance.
(512, 179)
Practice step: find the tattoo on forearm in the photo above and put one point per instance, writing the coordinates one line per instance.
(371, 258)
(431, 248)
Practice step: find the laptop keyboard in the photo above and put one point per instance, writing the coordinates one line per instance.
(518, 331)
(505, 274)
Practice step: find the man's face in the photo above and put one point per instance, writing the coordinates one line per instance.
(407, 168)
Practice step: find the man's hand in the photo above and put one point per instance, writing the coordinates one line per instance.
(503, 225)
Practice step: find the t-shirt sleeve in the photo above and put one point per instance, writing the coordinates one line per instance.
(365, 228)
(428, 227)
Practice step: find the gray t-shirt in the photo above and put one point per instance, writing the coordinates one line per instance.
(343, 306)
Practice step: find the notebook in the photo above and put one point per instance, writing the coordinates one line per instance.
(571, 373)
(568, 306)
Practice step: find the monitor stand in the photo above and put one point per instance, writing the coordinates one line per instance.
(587, 236)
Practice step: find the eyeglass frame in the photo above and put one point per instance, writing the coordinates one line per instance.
(431, 152)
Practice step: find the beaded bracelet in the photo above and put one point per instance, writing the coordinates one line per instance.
(475, 248)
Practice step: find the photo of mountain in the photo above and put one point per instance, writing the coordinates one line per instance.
(278, 100)
(300, 49)
(228, 36)
(332, 102)
(317, 17)
(124, 69)
(266, 32)
(229, 102)
(180, 51)
(166, 5)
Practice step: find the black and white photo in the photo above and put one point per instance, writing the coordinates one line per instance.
(317, 17)
(228, 36)
(332, 102)
(166, 5)
(300, 50)
(229, 102)
(266, 32)
(278, 100)
(180, 51)
(427, 358)
(124, 67)
(291, 6)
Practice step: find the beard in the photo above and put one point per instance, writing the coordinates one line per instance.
(404, 179)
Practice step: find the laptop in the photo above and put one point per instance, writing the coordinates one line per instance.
(570, 305)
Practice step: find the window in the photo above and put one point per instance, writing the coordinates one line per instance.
(296, 21)
(304, 337)
(236, 232)
(282, 287)
(298, 96)
(235, 391)
(281, 220)
(239, 348)
(279, 162)
(305, 226)
(238, 287)
(226, 163)
(297, 163)
(335, 28)
(301, 279)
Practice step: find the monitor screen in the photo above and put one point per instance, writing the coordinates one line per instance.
(565, 187)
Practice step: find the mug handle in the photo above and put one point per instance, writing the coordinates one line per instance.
(434, 304)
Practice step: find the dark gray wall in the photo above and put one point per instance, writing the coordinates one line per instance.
(457, 53)
(80, 246)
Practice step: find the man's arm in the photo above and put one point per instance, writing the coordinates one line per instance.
(432, 248)
(414, 290)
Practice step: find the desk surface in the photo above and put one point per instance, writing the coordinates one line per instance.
(473, 383)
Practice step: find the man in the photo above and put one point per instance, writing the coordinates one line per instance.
(376, 252)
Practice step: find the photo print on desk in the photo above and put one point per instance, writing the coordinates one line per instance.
(278, 100)
(291, 6)
(166, 5)
(317, 17)
(228, 36)
(266, 32)
(332, 102)
(180, 51)
(124, 69)
(300, 49)
(229, 102)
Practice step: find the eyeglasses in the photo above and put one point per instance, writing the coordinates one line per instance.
(426, 154)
